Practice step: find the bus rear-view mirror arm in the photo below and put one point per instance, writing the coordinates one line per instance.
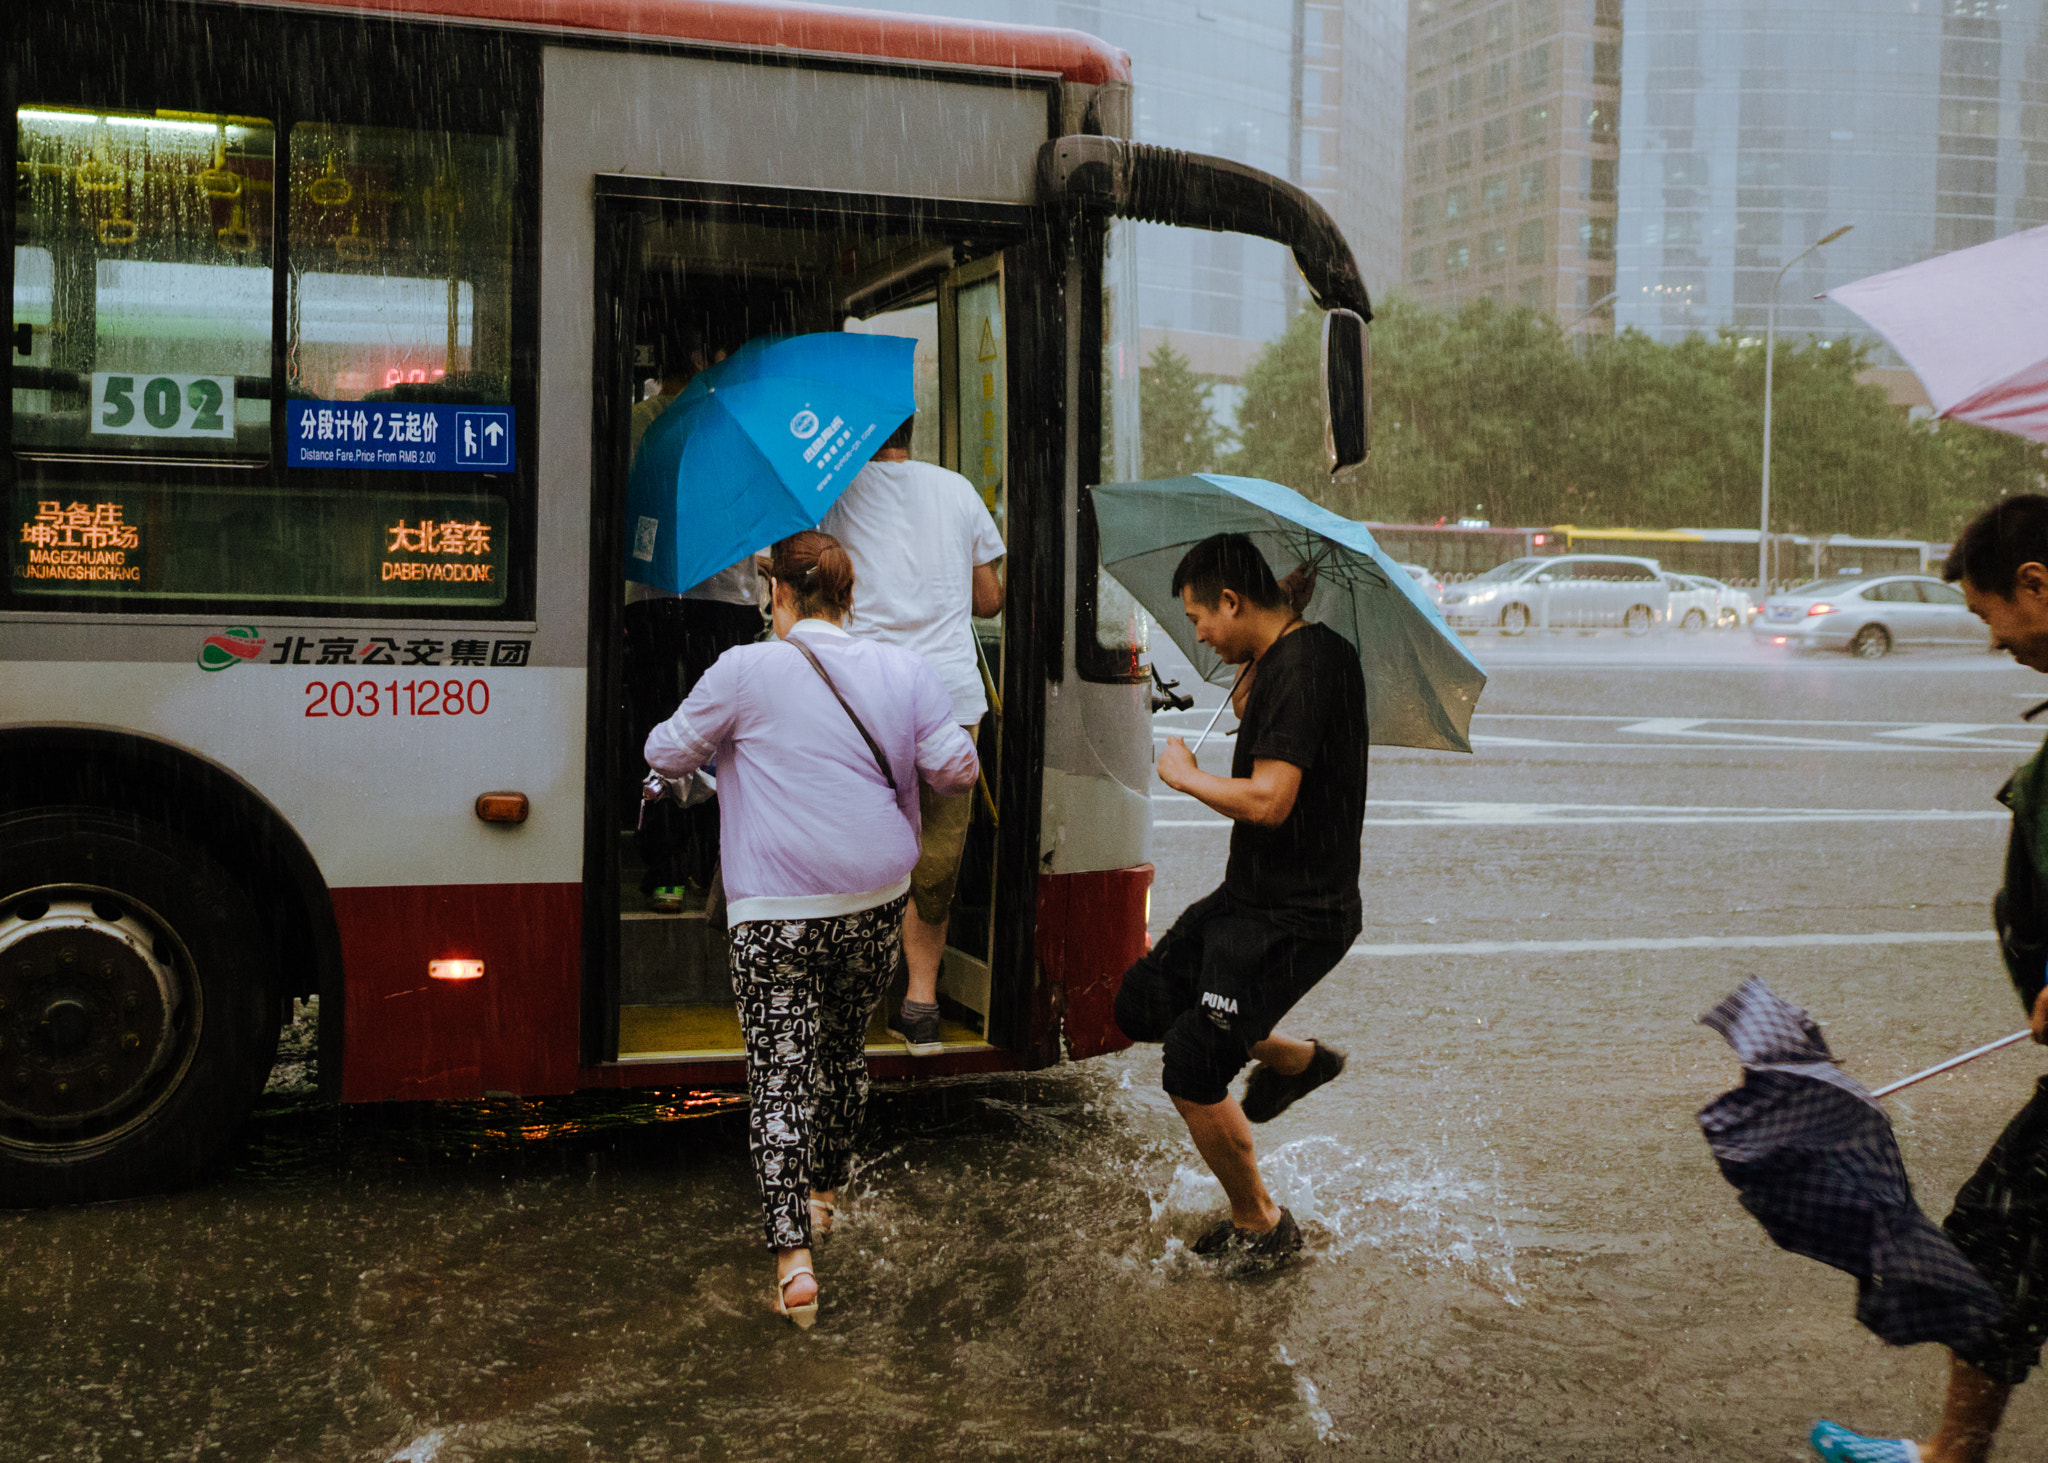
(1190, 190)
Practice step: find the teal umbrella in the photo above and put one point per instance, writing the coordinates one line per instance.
(1420, 683)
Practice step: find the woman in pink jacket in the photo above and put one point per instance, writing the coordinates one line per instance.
(820, 741)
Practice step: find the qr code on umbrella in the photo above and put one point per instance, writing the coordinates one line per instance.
(643, 539)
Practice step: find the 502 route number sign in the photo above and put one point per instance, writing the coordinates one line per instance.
(163, 406)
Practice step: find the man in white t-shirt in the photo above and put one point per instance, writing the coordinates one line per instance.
(924, 552)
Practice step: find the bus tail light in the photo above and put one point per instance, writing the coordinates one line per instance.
(502, 807)
(455, 969)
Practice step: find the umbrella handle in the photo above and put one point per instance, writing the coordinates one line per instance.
(1969, 1056)
(1217, 717)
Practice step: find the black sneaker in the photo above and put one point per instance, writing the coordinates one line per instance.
(1224, 1238)
(1267, 1094)
(919, 1033)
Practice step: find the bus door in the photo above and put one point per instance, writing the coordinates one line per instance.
(704, 270)
(974, 442)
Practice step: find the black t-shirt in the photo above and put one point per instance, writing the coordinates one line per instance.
(1307, 707)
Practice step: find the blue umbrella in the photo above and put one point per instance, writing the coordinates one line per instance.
(758, 447)
(1421, 684)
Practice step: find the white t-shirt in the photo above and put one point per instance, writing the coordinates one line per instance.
(916, 533)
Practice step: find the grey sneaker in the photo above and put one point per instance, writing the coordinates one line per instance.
(1267, 1094)
(919, 1033)
(1224, 1239)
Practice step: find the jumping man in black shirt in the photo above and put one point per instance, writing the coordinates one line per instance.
(1214, 987)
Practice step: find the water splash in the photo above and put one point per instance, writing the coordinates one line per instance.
(1345, 1199)
(1311, 1400)
(425, 1448)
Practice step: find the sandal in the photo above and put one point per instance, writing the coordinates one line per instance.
(823, 1212)
(805, 1315)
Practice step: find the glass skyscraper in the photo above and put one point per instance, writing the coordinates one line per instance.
(1308, 90)
(1750, 130)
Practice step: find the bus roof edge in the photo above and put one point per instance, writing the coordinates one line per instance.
(826, 30)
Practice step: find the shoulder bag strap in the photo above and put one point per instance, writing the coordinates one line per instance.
(858, 725)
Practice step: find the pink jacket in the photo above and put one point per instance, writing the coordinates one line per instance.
(808, 827)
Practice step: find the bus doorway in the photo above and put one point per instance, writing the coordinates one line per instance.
(701, 276)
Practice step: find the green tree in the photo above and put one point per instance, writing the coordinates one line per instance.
(1177, 431)
(1494, 412)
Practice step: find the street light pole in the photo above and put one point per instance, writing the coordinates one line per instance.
(1763, 538)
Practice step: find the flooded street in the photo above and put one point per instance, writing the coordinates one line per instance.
(1518, 1247)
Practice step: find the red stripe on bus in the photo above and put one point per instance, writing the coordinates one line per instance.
(1090, 928)
(407, 1036)
(824, 30)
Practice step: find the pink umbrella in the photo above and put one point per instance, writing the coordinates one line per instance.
(1973, 325)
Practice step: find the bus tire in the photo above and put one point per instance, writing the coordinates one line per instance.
(138, 1022)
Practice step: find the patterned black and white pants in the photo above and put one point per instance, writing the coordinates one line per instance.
(805, 989)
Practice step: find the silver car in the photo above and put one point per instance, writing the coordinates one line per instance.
(1559, 592)
(1869, 616)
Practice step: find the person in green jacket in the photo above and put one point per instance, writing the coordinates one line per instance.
(2000, 1219)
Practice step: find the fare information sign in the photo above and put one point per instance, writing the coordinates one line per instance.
(398, 436)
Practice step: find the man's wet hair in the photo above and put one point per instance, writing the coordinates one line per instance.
(1228, 561)
(2011, 532)
(899, 440)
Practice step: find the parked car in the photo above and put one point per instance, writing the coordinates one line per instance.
(1733, 608)
(1431, 585)
(1693, 605)
(1563, 591)
(1869, 616)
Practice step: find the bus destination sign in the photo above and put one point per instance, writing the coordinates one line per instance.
(156, 542)
(399, 436)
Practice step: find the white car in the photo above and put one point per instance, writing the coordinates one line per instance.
(1561, 592)
(1869, 616)
(1431, 585)
(1733, 608)
(1693, 605)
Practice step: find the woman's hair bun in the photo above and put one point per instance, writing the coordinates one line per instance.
(818, 569)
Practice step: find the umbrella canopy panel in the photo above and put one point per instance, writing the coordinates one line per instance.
(1421, 683)
(1973, 325)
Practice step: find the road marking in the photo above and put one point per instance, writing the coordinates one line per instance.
(1709, 732)
(1443, 814)
(1677, 942)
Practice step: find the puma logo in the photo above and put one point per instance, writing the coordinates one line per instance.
(1222, 1005)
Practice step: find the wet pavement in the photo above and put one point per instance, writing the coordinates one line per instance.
(1517, 1245)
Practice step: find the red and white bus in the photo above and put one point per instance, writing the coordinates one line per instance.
(328, 317)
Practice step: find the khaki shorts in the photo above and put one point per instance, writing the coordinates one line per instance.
(938, 860)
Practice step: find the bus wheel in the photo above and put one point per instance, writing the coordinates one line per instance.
(1514, 619)
(137, 1021)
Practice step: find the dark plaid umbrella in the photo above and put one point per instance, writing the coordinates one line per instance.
(1813, 1158)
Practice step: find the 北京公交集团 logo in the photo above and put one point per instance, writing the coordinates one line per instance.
(239, 643)
(804, 424)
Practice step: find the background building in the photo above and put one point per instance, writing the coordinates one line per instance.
(1309, 90)
(1512, 144)
(1750, 130)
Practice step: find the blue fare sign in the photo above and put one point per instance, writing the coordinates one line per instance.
(398, 436)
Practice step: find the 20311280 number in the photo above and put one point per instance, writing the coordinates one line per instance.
(397, 698)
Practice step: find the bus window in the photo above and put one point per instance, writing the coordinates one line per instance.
(401, 266)
(973, 350)
(143, 272)
(921, 324)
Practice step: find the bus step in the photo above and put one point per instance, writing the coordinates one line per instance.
(672, 960)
